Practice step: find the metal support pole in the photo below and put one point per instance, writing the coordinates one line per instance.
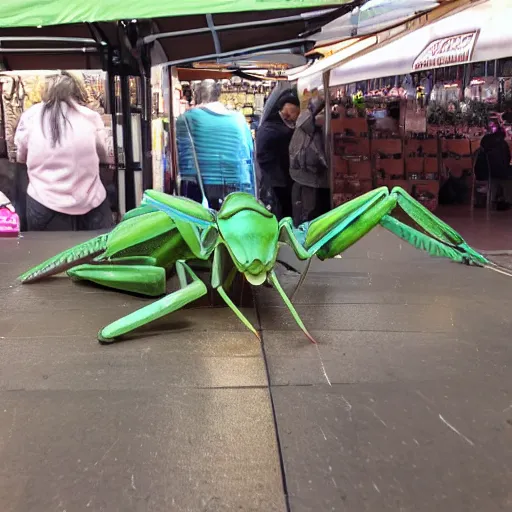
(173, 147)
(328, 132)
(146, 121)
(129, 166)
(112, 103)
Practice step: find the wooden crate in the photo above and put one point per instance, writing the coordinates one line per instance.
(365, 186)
(458, 167)
(427, 193)
(361, 170)
(355, 146)
(390, 167)
(460, 147)
(386, 146)
(427, 147)
(431, 165)
(339, 166)
(414, 165)
(337, 125)
(345, 146)
(356, 126)
(474, 145)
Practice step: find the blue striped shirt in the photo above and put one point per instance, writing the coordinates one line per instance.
(224, 147)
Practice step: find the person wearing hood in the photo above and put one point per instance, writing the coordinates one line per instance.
(493, 161)
(308, 166)
(272, 143)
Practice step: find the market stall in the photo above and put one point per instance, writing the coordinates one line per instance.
(412, 112)
(245, 87)
(22, 89)
(60, 36)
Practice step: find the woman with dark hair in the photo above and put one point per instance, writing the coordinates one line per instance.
(272, 153)
(62, 142)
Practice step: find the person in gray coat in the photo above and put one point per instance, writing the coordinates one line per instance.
(308, 166)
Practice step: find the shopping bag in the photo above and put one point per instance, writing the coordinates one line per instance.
(9, 222)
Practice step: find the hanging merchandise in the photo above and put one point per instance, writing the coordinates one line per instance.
(13, 95)
(416, 115)
(245, 97)
(34, 87)
(158, 139)
(107, 121)
(484, 89)
(94, 84)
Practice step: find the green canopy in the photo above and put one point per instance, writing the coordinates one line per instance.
(35, 13)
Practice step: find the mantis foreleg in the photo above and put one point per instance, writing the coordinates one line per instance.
(436, 228)
(192, 288)
(351, 221)
(221, 278)
(277, 285)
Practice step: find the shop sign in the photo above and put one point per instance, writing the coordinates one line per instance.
(446, 51)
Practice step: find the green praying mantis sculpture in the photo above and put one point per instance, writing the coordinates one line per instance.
(168, 232)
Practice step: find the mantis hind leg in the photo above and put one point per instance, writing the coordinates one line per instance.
(81, 253)
(133, 275)
(191, 288)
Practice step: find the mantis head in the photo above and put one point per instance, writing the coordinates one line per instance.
(250, 233)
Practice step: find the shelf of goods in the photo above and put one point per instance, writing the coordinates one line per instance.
(361, 163)
(248, 98)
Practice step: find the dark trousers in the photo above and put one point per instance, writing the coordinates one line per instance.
(41, 218)
(284, 200)
(309, 203)
(215, 194)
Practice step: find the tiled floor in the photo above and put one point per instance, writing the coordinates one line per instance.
(489, 232)
(404, 405)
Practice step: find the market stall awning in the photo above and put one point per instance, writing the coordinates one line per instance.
(224, 36)
(191, 75)
(200, 30)
(26, 13)
(373, 16)
(477, 33)
(350, 48)
(63, 47)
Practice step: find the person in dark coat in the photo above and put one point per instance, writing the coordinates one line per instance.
(272, 143)
(494, 160)
(308, 166)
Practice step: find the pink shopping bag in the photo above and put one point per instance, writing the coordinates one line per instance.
(9, 222)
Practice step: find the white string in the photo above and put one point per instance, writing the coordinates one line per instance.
(496, 269)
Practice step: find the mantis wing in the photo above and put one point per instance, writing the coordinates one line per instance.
(195, 223)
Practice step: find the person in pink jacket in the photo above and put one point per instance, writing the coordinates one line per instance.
(62, 142)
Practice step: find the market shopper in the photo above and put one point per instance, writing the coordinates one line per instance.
(62, 142)
(308, 166)
(493, 161)
(215, 149)
(272, 152)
